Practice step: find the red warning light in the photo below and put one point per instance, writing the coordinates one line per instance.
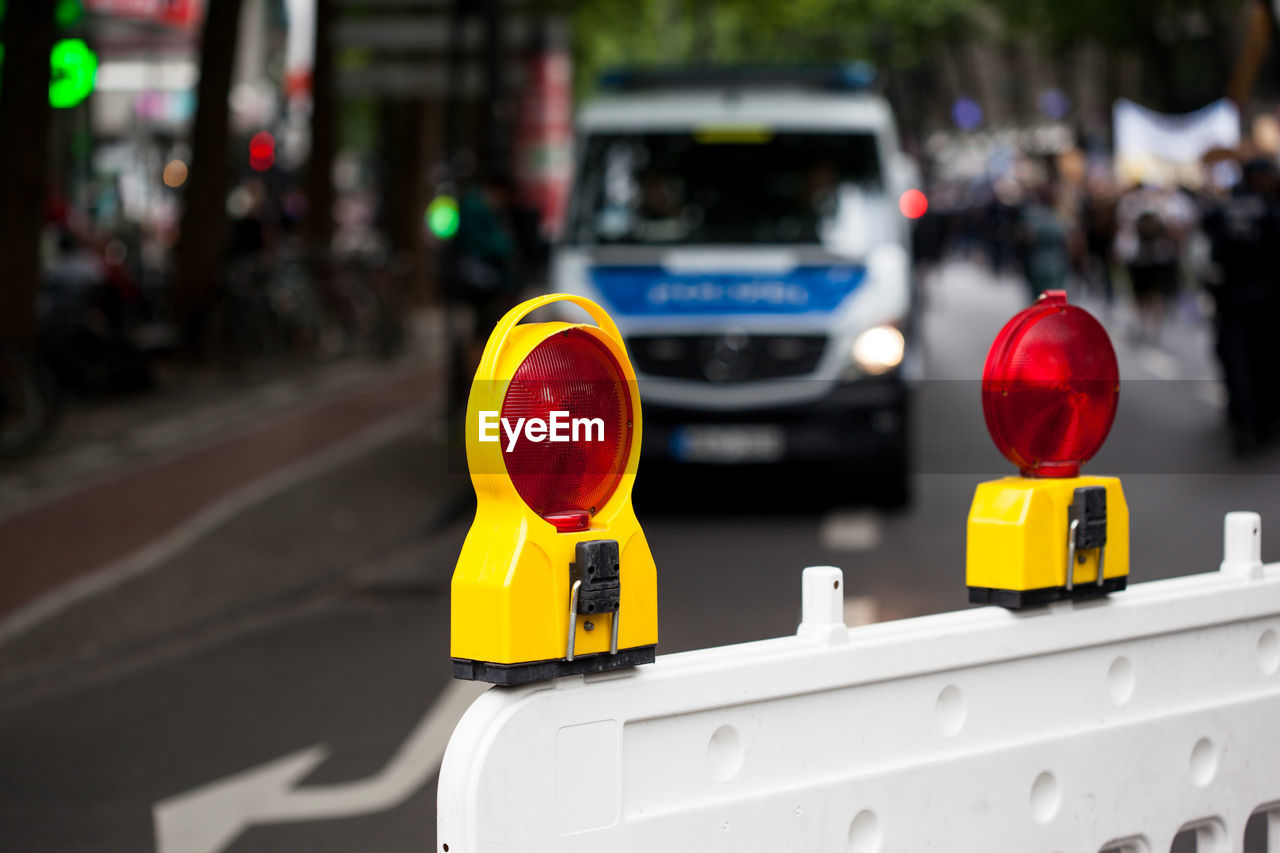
(262, 151)
(913, 204)
(1050, 388)
(570, 521)
(562, 481)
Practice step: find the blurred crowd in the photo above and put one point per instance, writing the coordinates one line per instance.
(1208, 253)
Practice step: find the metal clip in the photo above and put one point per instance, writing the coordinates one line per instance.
(1071, 563)
(573, 620)
(571, 642)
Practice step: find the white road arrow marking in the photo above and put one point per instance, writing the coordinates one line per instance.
(209, 818)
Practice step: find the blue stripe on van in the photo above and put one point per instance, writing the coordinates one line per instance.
(653, 291)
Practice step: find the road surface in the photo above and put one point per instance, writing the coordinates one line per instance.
(314, 720)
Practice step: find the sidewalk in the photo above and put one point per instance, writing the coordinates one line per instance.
(143, 499)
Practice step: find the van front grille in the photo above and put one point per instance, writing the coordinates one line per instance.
(726, 357)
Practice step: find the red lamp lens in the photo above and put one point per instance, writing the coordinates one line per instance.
(573, 373)
(913, 204)
(1050, 388)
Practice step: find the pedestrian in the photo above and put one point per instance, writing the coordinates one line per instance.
(1099, 221)
(487, 270)
(1001, 215)
(1245, 235)
(1042, 237)
(1150, 222)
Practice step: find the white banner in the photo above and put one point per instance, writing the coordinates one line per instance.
(1161, 149)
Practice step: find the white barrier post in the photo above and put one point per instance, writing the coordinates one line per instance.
(1242, 543)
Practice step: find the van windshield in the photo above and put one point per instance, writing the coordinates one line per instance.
(729, 186)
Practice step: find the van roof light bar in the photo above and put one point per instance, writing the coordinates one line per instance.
(848, 77)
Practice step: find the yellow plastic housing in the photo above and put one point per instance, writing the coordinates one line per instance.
(1017, 536)
(511, 588)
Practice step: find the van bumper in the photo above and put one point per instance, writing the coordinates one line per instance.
(860, 421)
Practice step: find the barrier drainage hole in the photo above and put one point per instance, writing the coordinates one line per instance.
(1120, 681)
(445, 848)
(1204, 762)
(950, 710)
(1269, 652)
(1045, 798)
(724, 753)
(835, 585)
(864, 833)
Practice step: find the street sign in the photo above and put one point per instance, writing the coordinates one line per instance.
(173, 13)
(1108, 725)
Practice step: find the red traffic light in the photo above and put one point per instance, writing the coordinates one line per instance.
(262, 151)
(571, 371)
(1050, 388)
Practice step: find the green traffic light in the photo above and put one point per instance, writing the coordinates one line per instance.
(442, 216)
(68, 13)
(74, 67)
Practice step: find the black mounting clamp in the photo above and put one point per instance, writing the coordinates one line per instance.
(595, 587)
(1086, 528)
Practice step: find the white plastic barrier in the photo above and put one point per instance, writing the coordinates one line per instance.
(1106, 725)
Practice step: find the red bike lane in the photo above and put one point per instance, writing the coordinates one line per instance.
(73, 536)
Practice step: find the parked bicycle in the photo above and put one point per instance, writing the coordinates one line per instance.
(30, 404)
(309, 304)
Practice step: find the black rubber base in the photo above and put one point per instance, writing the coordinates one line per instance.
(508, 674)
(1016, 599)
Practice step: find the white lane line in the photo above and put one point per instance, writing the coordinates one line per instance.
(213, 424)
(208, 819)
(1158, 363)
(850, 530)
(861, 610)
(206, 521)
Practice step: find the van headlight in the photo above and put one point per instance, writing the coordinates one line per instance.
(879, 349)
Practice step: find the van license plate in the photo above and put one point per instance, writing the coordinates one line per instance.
(728, 444)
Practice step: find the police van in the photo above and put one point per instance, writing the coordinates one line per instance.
(744, 229)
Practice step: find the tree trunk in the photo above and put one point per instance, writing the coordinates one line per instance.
(494, 151)
(24, 157)
(405, 164)
(1250, 55)
(702, 49)
(320, 167)
(204, 221)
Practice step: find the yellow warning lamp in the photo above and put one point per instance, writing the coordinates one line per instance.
(1050, 388)
(555, 576)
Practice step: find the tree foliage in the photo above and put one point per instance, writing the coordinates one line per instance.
(896, 34)
(608, 33)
